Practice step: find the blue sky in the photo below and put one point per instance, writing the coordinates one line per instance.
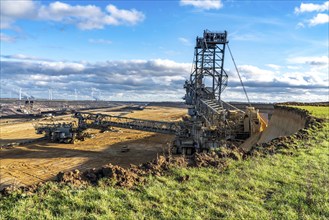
(143, 50)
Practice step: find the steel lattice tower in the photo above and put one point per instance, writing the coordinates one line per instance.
(209, 78)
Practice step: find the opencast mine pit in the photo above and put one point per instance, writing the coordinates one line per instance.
(32, 160)
(29, 163)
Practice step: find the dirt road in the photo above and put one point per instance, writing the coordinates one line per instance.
(39, 161)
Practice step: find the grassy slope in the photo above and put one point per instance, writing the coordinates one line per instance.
(289, 185)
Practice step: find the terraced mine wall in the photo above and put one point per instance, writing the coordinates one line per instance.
(285, 121)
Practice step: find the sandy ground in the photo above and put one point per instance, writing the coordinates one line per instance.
(13, 131)
(39, 161)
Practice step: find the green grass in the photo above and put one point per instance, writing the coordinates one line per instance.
(293, 184)
(318, 111)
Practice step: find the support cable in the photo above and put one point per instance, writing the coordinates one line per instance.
(236, 68)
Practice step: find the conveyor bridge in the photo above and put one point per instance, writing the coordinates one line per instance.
(104, 122)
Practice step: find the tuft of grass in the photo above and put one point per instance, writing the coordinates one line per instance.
(293, 184)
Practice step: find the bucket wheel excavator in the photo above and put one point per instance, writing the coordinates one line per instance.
(210, 123)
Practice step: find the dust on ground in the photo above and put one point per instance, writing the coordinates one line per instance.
(40, 161)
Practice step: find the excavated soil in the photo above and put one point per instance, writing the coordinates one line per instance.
(29, 164)
(134, 175)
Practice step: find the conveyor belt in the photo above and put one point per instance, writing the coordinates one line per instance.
(102, 121)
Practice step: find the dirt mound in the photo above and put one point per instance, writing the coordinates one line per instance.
(216, 158)
(119, 175)
(134, 175)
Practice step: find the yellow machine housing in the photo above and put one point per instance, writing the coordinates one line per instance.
(253, 122)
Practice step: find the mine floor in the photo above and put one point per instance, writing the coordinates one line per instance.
(27, 164)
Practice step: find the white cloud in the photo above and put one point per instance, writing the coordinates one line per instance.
(203, 4)
(319, 19)
(299, 79)
(12, 10)
(145, 80)
(17, 9)
(249, 72)
(184, 41)
(300, 25)
(141, 80)
(293, 67)
(172, 66)
(85, 17)
(167, 80)
(7, 38)
(310, 7)
(321, 60)
(118, 16)
(58, 11)
(59, 66)
(273, 66)
(89, 16)
(99, 41)
(254, 77)
(23, 57)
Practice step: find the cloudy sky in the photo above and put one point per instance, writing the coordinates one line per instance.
(143, 50)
